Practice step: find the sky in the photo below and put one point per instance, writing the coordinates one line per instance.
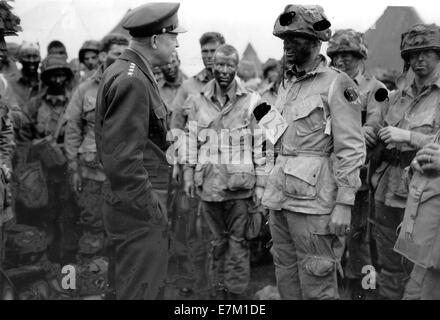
(240, 21)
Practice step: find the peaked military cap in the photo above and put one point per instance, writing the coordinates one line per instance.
(153, 18)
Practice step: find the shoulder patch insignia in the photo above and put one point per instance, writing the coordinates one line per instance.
(351, 94)
(381, 94)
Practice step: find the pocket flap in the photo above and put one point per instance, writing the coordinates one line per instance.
(432, 189)
(308, 105)
(89, 104)
(240, 168)
(304, 169)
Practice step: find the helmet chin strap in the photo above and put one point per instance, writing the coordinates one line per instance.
(283, 69)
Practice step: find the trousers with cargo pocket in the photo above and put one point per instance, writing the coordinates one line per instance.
(306, 255)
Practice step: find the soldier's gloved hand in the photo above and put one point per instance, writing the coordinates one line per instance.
(394, 135)
(370, 136)
(189, 187)
(340, 220)
(427, 158)
(258, 195)
(76, 183)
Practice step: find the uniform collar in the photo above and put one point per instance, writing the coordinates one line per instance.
(318, 67)
(27, 82)
(410, 89)
(134, 56)
(237, 90)
(203, 76)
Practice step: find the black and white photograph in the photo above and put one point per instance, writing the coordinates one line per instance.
(221, 155)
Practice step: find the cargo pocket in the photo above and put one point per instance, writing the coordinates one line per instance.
(241, 177)
(402, 180)
(319, 279)
(310, 116)
(89, 109)
(301, 176)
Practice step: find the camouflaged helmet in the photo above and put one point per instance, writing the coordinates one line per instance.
(305, 20)
(54, 62)
(420, 37)
(89, 45)
(349, 41)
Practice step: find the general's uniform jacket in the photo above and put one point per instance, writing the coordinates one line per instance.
(322, 148)
(418, 114)
(216, 180)
(130, 133)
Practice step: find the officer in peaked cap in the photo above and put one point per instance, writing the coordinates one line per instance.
(131, 143)
(153, 18)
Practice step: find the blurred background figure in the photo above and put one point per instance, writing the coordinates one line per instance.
(387, 77)
(172, 80)
(247, 72)
(271, 81)
(89, 56)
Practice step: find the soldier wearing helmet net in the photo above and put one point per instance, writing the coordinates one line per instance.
(410, 121)
(348, 52)
(311, 188)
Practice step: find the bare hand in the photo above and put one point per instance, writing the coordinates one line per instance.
(76, 183)
(370, 136)
(394, 135)
(258, 195)
(427, 158)
(189, 188)
(340, 220)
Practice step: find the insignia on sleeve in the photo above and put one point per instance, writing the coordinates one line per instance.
(351, 94)
(381, 95)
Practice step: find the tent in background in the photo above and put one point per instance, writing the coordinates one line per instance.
(250, 55)
(70, 21)
(383, 38)
(118, 28)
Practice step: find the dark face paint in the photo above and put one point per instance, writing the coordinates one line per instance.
(30, 62)
(423, 62)
(297, 50)
(57, 81)
(225, 69)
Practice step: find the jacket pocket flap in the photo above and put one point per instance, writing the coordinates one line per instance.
(304, 169)
(432, 189)
(89, 104)
(308, 105)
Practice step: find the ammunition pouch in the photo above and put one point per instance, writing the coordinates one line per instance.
(398, 158)
(32, 188)
(49, 152)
